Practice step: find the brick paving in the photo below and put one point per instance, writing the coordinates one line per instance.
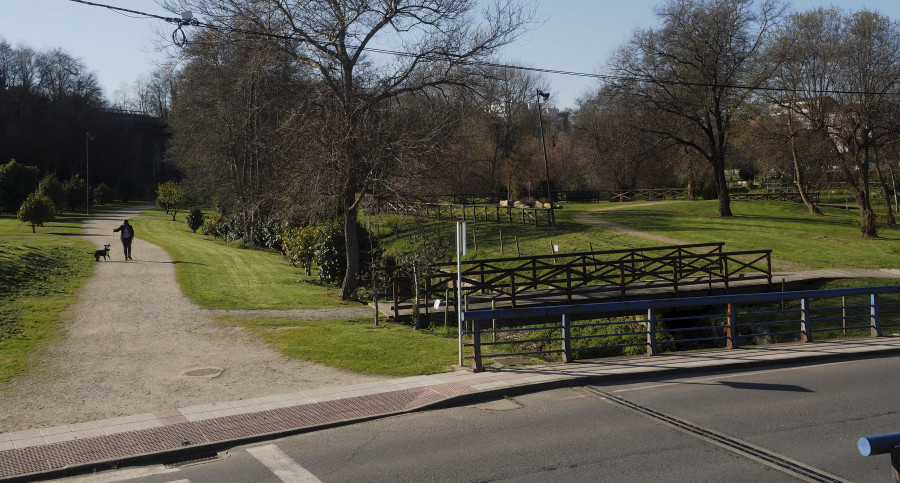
(29, 454)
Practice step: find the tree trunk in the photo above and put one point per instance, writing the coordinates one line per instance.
(798, 175)
(887, 195)
(722, 189)
(351, 245)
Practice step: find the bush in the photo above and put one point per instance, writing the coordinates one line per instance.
(75, 188)
(194, 219)
(16, 182)
(53, 188)
(36, 209)
(331, 257)
(299, 245)
(103, 194)
(215, 225)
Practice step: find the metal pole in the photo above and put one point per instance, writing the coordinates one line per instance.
(87, 174)
(460, 252)
(546, 163)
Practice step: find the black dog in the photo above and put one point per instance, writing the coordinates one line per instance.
(102, 253)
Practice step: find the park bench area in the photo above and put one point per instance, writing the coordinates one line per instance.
(569, 278)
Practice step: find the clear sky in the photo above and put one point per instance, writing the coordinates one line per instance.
(575, 35)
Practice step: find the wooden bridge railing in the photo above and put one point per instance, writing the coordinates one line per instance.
(560, 277)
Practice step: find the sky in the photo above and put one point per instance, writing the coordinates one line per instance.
(571, 35)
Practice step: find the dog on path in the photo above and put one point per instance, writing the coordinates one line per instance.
(102, 253)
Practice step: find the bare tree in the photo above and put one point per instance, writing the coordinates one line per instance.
(343, 42)
(695, 70)
(841, 77)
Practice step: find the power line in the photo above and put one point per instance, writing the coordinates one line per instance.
(180, 39)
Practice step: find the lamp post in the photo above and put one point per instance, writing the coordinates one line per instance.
(87, 172)
(546, 96)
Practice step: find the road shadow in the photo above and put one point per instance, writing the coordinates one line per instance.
(758, 386)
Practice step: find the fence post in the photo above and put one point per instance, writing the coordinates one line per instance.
(396, 286)
(731, 330)
(512, 288)
(477, 365)
(567, 339)
(875, 317)
(805, 329)
(651, 331)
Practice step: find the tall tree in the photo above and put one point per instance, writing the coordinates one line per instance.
(695, 69)
(343, 42)
(841, 77)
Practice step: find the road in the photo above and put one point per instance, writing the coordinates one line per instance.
(809, 414)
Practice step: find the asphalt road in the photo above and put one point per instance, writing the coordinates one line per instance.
(812, 415)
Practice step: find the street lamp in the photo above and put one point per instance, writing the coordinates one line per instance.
(88, 137)
(546, 96)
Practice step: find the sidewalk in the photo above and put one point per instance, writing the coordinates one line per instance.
(201, 430)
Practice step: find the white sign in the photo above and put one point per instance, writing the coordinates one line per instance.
(437, 304)
(555, 248)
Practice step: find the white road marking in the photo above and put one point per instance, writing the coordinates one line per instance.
(126, 474)
(286, 469)
(180, 481)
(724, 376)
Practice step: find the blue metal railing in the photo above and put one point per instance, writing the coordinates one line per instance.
(725, 321)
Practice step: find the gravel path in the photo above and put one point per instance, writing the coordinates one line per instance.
(132, 340)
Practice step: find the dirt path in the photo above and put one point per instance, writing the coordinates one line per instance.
(132, 340)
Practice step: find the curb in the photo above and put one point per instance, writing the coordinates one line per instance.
(209, 449)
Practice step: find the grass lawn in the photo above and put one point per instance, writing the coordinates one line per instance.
(569, 235)
(40, 275)
(793, 235)
(219, 275)
(357, 345)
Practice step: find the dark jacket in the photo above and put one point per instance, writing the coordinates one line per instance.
(127, 230)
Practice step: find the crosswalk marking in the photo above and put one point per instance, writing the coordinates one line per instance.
(286, 469)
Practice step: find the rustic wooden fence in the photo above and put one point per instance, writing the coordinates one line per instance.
(648, 194)
(475, 212)
(556, 279)
(782, 196)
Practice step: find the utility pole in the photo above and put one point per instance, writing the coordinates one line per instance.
(546, 96)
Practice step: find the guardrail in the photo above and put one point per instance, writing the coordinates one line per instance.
(643, 325)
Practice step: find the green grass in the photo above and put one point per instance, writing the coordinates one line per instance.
(357, 345)
(484, 238)
(219, 275)
(793, 235)
(39, 278)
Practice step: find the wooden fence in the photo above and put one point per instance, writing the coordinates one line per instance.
(474, 212)
(648, 194)
(781, 196)
(556, 279)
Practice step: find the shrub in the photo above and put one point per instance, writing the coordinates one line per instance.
(16, 182)
(215, 225)
(331, 258)
(53, 188)
(36, 209)
(299, 245)
(194, 219)
(75, 188)
(103, 194)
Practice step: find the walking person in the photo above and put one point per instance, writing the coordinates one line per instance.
(127, 235)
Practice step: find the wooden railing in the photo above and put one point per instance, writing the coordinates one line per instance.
(470, 212)
(783, 196)
(648, 194)
(556, 279)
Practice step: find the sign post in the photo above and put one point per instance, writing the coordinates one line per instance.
(460, 252)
